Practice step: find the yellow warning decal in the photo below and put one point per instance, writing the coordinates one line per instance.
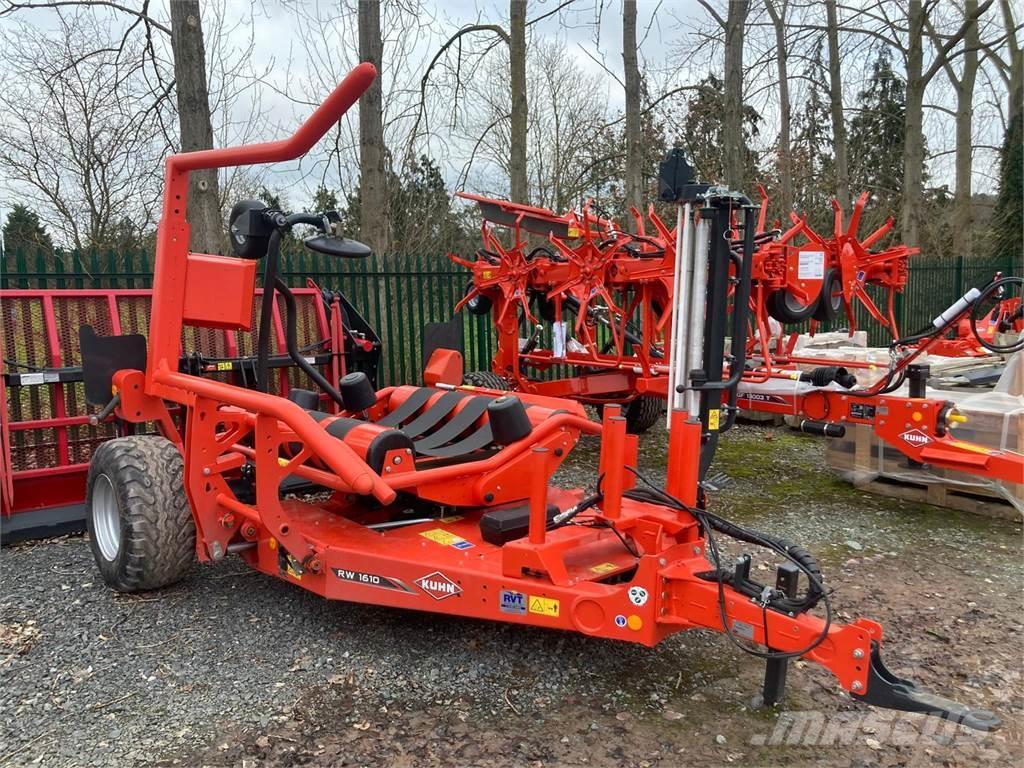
(223, 366)
(545, 606)
(573, 231)
(441, 536)
(487, 274)
(969, 447)
(604, 568)
(713, 417)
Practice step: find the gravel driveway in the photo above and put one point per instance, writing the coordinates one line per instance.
(232, 668)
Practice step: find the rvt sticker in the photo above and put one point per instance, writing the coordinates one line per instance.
(513, 602)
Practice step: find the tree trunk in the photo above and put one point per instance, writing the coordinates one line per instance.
(963, 230)
(913, 149)
(1016, 56)
(785, 150)
(373, 224)
(836, 98)
(519, 191)
(207, 229)
(732, 120)
(634, 138)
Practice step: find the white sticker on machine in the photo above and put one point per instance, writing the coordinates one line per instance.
(637, 595)
(811, 265)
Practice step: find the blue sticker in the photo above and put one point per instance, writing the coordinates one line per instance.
(620, 621)
(463, 544)
(513, 602)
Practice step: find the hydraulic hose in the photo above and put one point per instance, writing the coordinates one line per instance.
(267, 310)
(293, 346)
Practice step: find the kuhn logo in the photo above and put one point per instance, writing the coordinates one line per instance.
(438, 586)
(916, 437)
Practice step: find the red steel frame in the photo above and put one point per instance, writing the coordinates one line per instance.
(28, 488)
(573, 577)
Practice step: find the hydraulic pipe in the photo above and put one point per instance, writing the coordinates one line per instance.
(698, 309)
(680, 306)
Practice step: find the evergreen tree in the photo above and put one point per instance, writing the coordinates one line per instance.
(1008, 217)
(702, 133)
(812, 151)
(876, 137)
(24, 232)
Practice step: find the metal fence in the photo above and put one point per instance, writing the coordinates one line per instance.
(400, 295)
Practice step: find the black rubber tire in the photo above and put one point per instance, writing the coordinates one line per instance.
(485, 379)
(479, 304)
(784, 307)
(830, 300)
(643, 413)
(157, 542)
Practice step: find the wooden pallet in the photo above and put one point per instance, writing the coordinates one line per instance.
(942, 495)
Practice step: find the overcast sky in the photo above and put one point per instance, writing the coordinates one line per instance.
(298, 61)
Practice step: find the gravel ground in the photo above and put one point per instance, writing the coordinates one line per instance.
(232, 668)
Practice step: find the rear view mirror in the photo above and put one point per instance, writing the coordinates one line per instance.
(340, 247)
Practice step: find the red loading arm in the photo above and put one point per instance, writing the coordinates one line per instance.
(299, 143)
(162, 379)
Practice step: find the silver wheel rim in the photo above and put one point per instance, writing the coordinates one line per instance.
(106, 519)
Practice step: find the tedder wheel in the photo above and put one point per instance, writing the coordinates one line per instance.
(485, 379)
(830, 301)
(786, 308)
(641, 413)
(140, 526)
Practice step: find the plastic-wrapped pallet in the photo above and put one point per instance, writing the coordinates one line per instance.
(995, 419)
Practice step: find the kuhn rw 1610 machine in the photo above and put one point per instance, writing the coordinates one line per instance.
(441, 497)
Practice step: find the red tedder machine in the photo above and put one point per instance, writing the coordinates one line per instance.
(586, 311)
(438, 498)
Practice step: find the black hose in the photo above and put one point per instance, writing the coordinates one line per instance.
(267, 312)
(996, 285)
(293, 346)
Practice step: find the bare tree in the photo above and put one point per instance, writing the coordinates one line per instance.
(517, 115)
(194, 122)
(917, 81)
(778, 13)
(633, 171)
(733, 27)
(79, 140)
(372, 181)
(963, 205)
(195, 125)
(835, 77)
(517, 66)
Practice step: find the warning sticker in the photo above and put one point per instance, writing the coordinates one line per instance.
(446, 538)
(713, 417)
(811, 265)
(545, 606)
(224, 366)
(604, 568)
